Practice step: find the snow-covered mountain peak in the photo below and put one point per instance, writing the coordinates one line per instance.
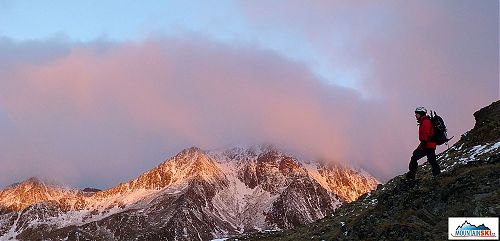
(36, 182)
(269, 167)
(34, 190)
(191, 163)
(189, 152)
(347, 182)
(216, 193)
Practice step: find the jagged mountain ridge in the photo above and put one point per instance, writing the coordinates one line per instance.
(217, 193)
(405, 210)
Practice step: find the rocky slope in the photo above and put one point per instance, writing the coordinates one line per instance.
(195, 195)
(419, 210)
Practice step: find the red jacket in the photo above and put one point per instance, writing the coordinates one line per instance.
(426, 131)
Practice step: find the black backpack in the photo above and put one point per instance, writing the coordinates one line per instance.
(440, 136)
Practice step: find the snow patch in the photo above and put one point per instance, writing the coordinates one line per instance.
(12, 234)
(472, 154)
(312, 169)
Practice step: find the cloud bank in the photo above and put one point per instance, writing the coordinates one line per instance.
(100, 113)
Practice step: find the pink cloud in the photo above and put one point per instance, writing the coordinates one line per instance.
(106, 114)
(181, 91)
(439, 54)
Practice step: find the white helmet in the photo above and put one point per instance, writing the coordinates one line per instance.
(421, 109)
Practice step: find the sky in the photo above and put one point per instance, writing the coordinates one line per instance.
(94, 93)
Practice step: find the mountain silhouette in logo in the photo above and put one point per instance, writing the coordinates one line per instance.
(467, 226)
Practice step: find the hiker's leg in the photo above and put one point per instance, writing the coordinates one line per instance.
(417, 154)
(431, 158)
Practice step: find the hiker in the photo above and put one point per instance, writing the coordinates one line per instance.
(427, 146)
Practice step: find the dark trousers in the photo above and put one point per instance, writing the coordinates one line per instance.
(431, 158)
